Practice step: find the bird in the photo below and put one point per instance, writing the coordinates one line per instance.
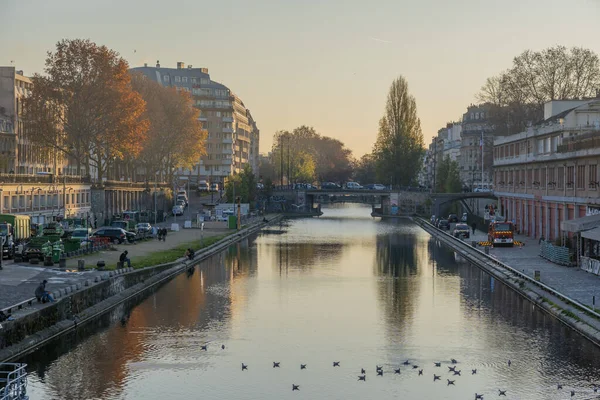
(380, 372)
(509, 363)
(450, 369)
(450, 382)
(478, 396)
(457, 373)
(362, 378)
(336, 363)
(362, 371)
(501, 392)
(276, 364)
(406, 362)
(397, 371)
(438, 364)
(244, 366)
(222, 347)
(572, 393)
(420, 372)
(473, 371)
(204, 347)
(415, 366)
(436, 377)
(559, 386)
(295, 387)
(453, 361)
(377, 368)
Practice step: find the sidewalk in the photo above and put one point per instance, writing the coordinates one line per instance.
(18, 281)
(570, 281)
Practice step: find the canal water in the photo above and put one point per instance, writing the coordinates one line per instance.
(341, 288)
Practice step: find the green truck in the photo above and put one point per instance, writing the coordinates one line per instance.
(14, 230)
(47, 245)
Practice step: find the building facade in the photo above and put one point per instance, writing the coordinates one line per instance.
(476, 141)
(549, 173)
(19, 153)
(233, 136)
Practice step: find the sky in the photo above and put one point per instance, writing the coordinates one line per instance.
(322, 63)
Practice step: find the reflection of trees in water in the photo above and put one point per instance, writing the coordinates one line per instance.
(397, 257)
(501, 304)
(303, 255)
(93, 361)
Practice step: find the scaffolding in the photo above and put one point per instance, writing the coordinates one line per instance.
(13, 381)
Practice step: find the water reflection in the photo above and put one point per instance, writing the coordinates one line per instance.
(345, 288)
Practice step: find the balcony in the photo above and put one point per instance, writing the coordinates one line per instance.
(227, 130)
(227, 140)
(226, 151)
(227, 119)
(587, 141)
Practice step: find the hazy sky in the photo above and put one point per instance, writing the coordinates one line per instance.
(324, 63)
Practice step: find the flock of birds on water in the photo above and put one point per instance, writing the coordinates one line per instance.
(452, 369)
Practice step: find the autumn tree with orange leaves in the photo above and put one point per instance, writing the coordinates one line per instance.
(84, 106)
(175, 137)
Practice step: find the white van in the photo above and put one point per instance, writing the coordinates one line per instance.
(353, 185)
(203, 186)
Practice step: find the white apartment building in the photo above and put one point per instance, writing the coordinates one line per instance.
(233, 136)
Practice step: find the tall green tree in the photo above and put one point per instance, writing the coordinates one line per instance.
(447, 179)
(365, 169)
(244, 186)
(399, 147)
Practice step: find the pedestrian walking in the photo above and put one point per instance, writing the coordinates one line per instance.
(164, 234)
(473, 226)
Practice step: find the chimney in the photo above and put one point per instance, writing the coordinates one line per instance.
(190, 66)
(145, 64)
(180, 65)
(20, 72)
(157, 64)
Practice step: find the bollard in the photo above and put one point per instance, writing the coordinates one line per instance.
(594, 301)
(487, 250)
(537, 275)
(473, 243)
(81, 265)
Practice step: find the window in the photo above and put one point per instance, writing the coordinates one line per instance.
(36, 200)
(43, 200)
(529, 177)
(204, 81)
(536, 176)
(184, 79)
(72, 198)
(166, 78)
(194, 80)
(581, 177)
(560, 178)
(78, 198)
(551, 177)
(177, 79)
(476, 115)
(21, 201)
(570, 177)
(481, 115)
(593, 176)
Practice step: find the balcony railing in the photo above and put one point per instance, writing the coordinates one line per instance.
(579, 143)
(34, 178)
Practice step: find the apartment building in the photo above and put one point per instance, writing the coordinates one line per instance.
(18, 153)
(549, 173)
(233, 135)
(476, 140)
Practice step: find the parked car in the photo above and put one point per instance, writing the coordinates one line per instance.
(117, 235)
(461, 231)
(452, 218)
(329, 185)
(181, 203)
(443, 224)
(379, 186)
(184, 199)
(177, 210)
(353, 185)
(464, 217)
(144, 227)
(81, 233)
(203, 186)
(224, 217)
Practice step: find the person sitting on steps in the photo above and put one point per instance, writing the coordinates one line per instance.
(41, 294)
(124, 259)
(189, 253)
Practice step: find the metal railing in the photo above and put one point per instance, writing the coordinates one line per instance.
(18, 306)
(13, 381)
(520, 274)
